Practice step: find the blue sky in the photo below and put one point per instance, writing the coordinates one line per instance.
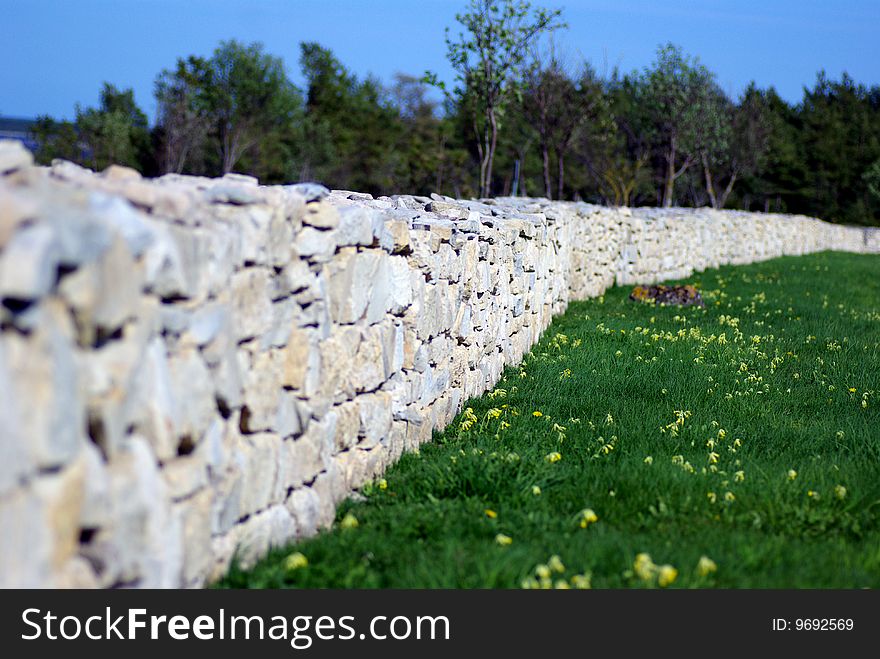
(56, 53)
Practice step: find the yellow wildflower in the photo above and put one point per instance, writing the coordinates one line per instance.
(555, 564)
(503, 540)
(730, 497)
(792, 474)
(648, 460)
(588, 517)
(491, 514)
(529, 583)
(349, 522)
(556, 456)
(536, 490)
(382, 484)
(542, 571)
(666, 575)
(739, 476)
(295, 561)
(712, 497)
(537, 413)
(644, 567)
(706, 566)
(840, 492)
(581, 581)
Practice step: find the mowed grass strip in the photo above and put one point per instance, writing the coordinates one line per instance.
(733, 446)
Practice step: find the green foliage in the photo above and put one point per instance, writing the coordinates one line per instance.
(487, 56)
(56, 139)
(758, 450)
(116, 132)
(686, 111)
(667, 134)
(872, 179)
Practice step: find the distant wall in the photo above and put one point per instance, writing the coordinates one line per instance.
(192, 368)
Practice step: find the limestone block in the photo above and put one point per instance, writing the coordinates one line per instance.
(303, 506)
(260, 471)
(15, 463)
(350, 284)
(399, 285)
(399, 231)
(348, 424)
(367, 368)
(315, 245)
(14, 156)
(302, 362)
(251, 306)
(29, 263)
(193, 390)
(26, 550)
(321, 215)
(375, 417)
(355, 226)
(262, 390)
(271, 528)
(145, 543)
(42, 374)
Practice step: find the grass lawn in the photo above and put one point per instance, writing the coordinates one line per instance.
(733, 446)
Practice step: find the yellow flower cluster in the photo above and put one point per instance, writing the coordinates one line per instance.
(295, 561)
(646, 570)
(542, 577)
(587, 517)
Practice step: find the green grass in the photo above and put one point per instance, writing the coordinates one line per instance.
(784, 392)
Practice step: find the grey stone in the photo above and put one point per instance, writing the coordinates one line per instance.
(309, 191)
(14, 156)
(29, 263)
(355, 226)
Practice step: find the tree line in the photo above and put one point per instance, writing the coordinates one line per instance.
(519, 119)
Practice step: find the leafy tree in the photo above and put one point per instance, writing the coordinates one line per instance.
(247, 95)
(183, 122)
(677, 92)
(351, 127)
(615, 148)
(116, 132)
(558, 105)
(488, 56)
(55, 139)
(872, 179)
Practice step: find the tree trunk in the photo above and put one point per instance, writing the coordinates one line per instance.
(560, 182)
(710, 185)
(493, 124)
(670, 175)
(545, 157)
(727, 190)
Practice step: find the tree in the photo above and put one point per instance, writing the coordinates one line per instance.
(422, 142)
(872, 179)
(615, 147)
(677, 94)
(737, 142)
(116, 132)
(247, 95)
(56, 139)
(183, 121)
(488, 57)
(351, 129)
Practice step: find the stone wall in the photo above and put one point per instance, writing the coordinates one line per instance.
(192, 369)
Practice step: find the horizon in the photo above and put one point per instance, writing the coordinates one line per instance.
(737, 45)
